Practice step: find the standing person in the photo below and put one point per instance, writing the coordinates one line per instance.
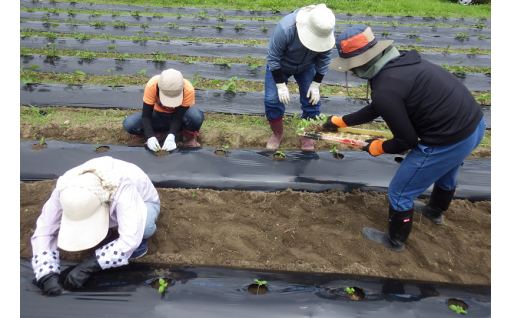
(417, 100)
(167, 108)
(87, 201)
(300, 46)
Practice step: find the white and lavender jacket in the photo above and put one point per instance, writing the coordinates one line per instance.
(127, 211)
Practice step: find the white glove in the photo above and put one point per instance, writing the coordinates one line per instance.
(314, 91)
(153, 144)
(284, 94)
(169, 144)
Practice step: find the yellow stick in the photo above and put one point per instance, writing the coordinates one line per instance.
(360, 131)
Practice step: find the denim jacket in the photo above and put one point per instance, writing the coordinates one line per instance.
(286, 52)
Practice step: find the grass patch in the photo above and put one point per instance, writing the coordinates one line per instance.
(424, 8)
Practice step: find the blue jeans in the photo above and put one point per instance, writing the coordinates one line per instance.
(153, 212)
(274, 109)
(425, 165)
(192, 121)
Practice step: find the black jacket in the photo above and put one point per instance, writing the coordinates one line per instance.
(418, 99)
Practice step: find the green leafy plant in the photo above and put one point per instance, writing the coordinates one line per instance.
(264, 29)
(225, 146)
(231, 85)
(461, 35)
(221, 16)
(333, 149)
(143, 72)
(119, 23)
(135, 13)
(97, 24)
(41, 141)
(239, 26)
(280, 153)
(163, 285)
(222, 61)
(263, 282)
(349, 290)
(26, 77)
(255, 65)
(483, 37)
(96, 145)
(86, 55)
(144, 25)
(195, 79)
(173, 25)
(219, 26)
(122, 57)
(201, 15)
(458, 309)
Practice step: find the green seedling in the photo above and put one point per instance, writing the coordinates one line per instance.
(139, 32)
(222, 61)
(113, 47)
(195, 79)
(225, 146)
(119, 23)
(334, 149)
(461, 35)
(264, 29)
(143, 72)
(144, 25)
(41, 141)
(86, 55)
(135, 13)
(26, 77)
(173, 25)
(263, 282)
(96, 145)
(239, 26)
(349, 290)
(280, 153)
(255, 65)
(193, 194)
(458, 309)
(163, 285)
(231, 85)
(221, 16)
(219, 26)
(97, 24)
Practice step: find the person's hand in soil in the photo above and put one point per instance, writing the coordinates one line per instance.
(80, 274)
(374, 147)
(170, 143)
(153, 144)
(333, 123)
(50, 284)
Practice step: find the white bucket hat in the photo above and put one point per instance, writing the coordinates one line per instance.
(85, 220)
(170, 85)
(315, 26)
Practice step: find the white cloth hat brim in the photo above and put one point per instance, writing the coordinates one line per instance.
(84, 234)
(308, 38)
(342, 65)
(171, 101)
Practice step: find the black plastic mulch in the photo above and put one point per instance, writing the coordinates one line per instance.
(248, 170)
(208, 292)
(422, 40)
(247, 13)
(251, 24)
(213, 101)
(98, 66)
(207, 49)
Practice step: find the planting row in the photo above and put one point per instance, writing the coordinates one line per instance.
(212, 101)
(151, 290)
(220, 24)
(275, 13)
(220, 70)
(458, 40)
(216, 50)
(248, 170)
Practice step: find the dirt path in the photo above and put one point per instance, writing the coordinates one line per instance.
(300, 231)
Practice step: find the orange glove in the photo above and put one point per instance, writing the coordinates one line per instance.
(374, 147)
(333, 123)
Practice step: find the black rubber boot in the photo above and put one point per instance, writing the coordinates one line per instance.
(399, 226)
(439, 202)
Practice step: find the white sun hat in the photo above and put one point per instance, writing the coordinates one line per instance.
(85, 220)
(315, 26)
(170, 86)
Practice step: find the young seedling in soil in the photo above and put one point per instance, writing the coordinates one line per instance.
(354, 293)
(263, 282)
(40, 145)
(279, 155)
(163, 285)
(458, 309)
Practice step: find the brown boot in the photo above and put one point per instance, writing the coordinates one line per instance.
(190, 138)
(307, 144)
(277, 128)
